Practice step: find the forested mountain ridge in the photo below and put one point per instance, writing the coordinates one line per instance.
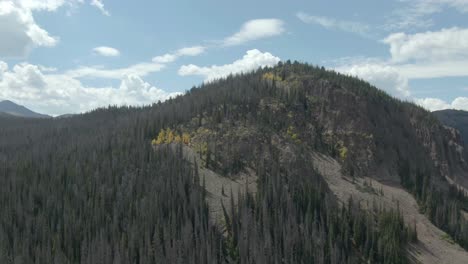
(456, 119)
(92, 188)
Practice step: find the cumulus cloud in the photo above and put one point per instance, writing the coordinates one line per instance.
(385, 77)
(331, 23)
(19, 31)
(431, 54)
(3, 68)
(99, 5)
(445, 44)
(252, 60)
(106, 51)
(435, 104)
(460, 103)
(254, 30)
(24, 81)
(56, 94)
(188, 51)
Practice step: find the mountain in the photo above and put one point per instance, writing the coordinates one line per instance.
(288, 164)
(10, 108)
(456, 119)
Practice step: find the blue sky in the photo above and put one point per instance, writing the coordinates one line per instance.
(69, 56)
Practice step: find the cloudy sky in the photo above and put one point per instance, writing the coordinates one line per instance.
(69, 56)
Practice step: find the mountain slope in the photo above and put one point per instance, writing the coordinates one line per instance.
(119, 185)
(456, 119)
(10, 108)
(433, 245)
(370, 133)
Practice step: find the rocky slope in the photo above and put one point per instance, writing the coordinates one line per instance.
(370, 132)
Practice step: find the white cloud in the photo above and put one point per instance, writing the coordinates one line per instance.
(331, 23)
(188, 51)
(99, 5)
(56, 94)
(385, 77)
(191, 51)
(24, 80)
(434, 69)
(435, 104)
(432, 104)
(139, 69)
(254, 30)
(432, 54)
(166, 58)
(49, 5)
(19, 31)
(106, 51)
(417, 13)
(445, 44)
(3, 68)
(460, 103)
(252, 60)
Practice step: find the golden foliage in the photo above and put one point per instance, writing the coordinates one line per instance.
(294, 136)
(168, 135)
(185, 138)
(161, 137)
(343, 153)
(271, 76)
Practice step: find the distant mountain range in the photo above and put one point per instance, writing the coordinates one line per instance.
(456, 119)
(8, 108)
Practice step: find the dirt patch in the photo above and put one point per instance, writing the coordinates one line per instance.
(434, 246)
(221, 188)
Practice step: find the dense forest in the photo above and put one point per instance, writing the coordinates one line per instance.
(93, 188)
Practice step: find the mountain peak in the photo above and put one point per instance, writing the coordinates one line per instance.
(10, 108)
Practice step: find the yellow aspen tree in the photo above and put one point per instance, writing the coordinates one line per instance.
(186, 138)
(177, 139)
(169, 136)
(161, 137)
